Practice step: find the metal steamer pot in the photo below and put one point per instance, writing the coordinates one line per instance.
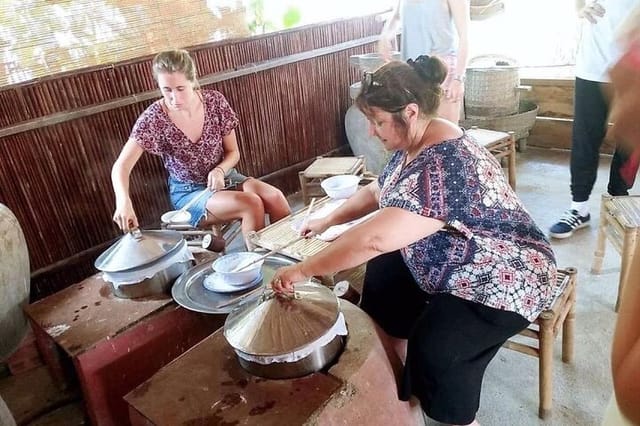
(145, 263)
(282, 337)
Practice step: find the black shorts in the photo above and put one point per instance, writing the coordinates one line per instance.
(451, 340)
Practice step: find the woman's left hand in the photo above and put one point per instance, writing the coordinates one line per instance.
(282, 281)
(215, 180)
(455, 91)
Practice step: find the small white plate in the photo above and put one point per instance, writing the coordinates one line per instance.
(215, 282)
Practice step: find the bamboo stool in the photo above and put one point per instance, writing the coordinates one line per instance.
(324, 167)
(545, 329)
(620, 222)
(501, 145)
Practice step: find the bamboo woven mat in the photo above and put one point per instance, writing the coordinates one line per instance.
(331, 166)
(280, 233)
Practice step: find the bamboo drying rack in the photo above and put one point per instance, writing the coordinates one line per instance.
(280, 233)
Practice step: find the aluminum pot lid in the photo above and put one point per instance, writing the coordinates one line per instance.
(276, 324)
(138, 248)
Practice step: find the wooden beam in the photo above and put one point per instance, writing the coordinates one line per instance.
(552, 132)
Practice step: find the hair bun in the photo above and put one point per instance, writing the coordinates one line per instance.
(430, 69)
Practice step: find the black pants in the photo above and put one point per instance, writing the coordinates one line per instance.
(591, 111)
(450, 340)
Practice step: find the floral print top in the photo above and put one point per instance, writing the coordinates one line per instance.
(490, 250)
(187, 161)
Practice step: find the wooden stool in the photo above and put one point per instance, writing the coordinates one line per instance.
(324, 167)
(620, 222)
(561, 314)
(501, 145)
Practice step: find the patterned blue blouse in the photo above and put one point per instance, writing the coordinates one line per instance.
(490, 250)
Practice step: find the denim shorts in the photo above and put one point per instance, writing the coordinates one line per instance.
(181, 193)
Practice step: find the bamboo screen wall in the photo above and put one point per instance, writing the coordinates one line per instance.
(60, 136)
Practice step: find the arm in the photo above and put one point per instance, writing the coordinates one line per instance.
(125, 215)
(625, 356)
(383, 233)
(215, 179)
(460, 13)
(389, 31)
(459, 10)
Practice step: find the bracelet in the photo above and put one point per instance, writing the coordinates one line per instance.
(221, 169)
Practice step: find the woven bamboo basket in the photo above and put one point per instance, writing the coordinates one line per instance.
(491, 89)
(520, 123)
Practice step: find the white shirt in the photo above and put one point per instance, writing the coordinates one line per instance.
(598, 49)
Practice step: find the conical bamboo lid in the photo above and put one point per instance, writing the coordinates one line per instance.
(276, 325)
(138, 248)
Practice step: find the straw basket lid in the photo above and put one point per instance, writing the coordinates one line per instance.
(485, 9)
(138, 248)
(492, 63)
(275, 325)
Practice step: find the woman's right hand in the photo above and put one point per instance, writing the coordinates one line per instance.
(215, 179)
(314, 227)
(125, 217)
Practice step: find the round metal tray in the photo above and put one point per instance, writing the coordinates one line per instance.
(190, 293)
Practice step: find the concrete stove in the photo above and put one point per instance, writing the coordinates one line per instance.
(207, 385)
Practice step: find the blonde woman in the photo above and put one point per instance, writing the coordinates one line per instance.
(193, 131)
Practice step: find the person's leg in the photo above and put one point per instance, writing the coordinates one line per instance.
(392, 298)
(274, 201)
(589, 128)
(229, 205)
(450, 108)
(449, 349)
(618, 185)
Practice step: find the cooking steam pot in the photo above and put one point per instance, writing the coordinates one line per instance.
(144, 263)
(284, 336)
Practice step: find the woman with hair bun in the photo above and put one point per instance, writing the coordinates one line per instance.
(456, 265)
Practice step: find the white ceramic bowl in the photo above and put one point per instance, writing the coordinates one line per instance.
(341, 186)
(176, 217)
(225, 265)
